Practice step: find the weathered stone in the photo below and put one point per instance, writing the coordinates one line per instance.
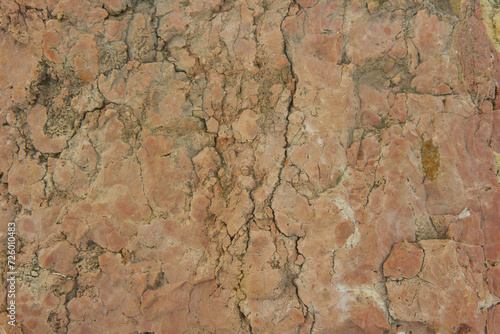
(59, 258)
(404, 262)
(208, 166)
(438, 289)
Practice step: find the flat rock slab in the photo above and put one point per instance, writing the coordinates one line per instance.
(211, 166)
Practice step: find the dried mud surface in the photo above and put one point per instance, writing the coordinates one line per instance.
(258, 166)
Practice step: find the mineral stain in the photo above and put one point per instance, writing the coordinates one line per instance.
(491, 19)
(430, 159)
(448, 6)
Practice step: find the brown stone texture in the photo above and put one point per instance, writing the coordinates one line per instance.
(251, 166)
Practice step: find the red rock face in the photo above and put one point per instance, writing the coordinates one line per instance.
(206, 166)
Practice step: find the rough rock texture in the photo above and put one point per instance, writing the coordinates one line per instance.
(258, 166)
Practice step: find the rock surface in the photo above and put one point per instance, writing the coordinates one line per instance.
(211, 166)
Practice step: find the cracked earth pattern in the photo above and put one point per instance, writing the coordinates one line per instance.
(258, 166)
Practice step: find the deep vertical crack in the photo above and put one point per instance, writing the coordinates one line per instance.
(293, 88)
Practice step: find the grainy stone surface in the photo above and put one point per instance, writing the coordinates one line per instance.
(227, 166)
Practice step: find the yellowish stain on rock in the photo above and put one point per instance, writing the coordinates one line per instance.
(456, 7)
(430, 159)
(497, 165)
(449, 6)
(491, 18)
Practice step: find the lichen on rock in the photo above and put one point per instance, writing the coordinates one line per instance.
(430, 159)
